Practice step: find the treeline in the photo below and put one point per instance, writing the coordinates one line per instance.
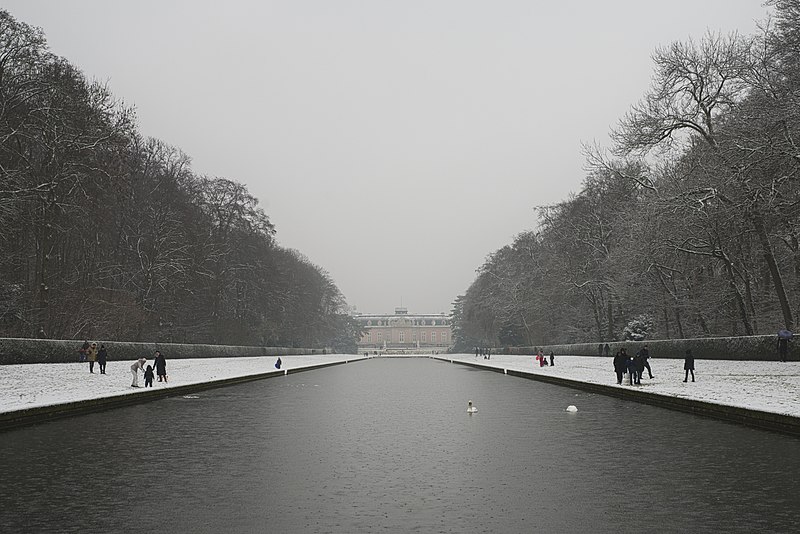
(689, 226)
(106, 234)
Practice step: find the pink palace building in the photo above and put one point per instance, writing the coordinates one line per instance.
(404, 332)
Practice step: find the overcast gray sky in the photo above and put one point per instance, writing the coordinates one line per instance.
(395, 143)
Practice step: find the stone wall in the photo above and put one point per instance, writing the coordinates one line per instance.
(18, 350)
(761, 348)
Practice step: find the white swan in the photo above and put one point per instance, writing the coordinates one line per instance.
(471, 408)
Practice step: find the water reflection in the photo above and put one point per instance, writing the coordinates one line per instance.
(387, 445)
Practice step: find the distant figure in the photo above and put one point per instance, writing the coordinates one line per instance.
(606, 350)
(542, 359)
(488, 354)
(102, 358)
(620, 366)
(148, 376)
(783, 348)
(91, 355)
(161, 366)
(600, 349)
(138, 364)
(82, 351)
(645, 354)
(688, 365)
(278, 363)
(552, 359)
(471, 408)
(477, 350)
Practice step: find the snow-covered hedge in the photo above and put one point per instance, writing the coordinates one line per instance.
(760, 348)
(14, 350)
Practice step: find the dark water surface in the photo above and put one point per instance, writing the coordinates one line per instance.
(386, 445)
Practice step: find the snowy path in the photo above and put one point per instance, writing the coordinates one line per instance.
(765, 386)
(34, 385)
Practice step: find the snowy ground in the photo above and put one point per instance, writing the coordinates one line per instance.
(33, 385)
(766, 386)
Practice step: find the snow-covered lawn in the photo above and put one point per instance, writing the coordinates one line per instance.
(766, 386)
(34, 385)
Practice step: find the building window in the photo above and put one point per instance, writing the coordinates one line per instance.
(369, 337)
(433, 337)
(402, 337)
(380, 337)
(444, 337)
(424, 337)
(414, 337)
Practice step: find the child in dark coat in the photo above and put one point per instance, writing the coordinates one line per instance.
(148, 376)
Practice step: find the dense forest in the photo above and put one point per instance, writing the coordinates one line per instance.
(106, 234)
(688, 226)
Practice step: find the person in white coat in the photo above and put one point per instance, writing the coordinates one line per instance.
(138, 364)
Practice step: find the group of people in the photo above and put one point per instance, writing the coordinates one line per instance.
(635, 365)
(485, 352)
(160, 363)
(89, 352)
(542, 359)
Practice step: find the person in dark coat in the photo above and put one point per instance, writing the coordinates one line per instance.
(161, 366)
(148, 377)
(606, 350)
(278, 363)
(102, 358)
(688, 365)
(783, 348)
(630, 366)
(645, 354)
(552, 358)
(638, 366)
(620, 366)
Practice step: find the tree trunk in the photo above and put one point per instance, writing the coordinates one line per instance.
(769, 257)
(748, 328)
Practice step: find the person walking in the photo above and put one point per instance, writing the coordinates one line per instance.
(161, 366)
(606, 350)
(620, 365)
(552, 358)
(278, 363)
(91, 355)
(783, 348)
(102, 358)
(137, 365)
(645, 354)
(688, 365)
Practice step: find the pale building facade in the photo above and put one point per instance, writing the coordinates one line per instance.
(404, 332)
